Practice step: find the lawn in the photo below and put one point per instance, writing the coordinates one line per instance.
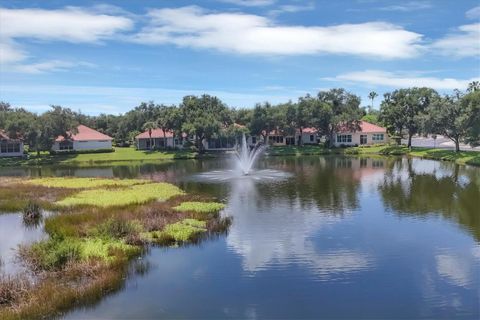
(299, 150)
(462, 157)
(119, 156)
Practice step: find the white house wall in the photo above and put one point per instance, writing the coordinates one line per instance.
(356, 138)
(92, 145)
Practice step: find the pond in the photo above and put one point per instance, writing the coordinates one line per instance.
(335, 237)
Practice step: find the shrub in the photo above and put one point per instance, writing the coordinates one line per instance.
(32, 213)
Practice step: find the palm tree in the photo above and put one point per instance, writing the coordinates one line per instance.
(372, 95)
(150, 125)
(473, 86)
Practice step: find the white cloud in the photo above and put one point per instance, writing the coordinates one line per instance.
(464, 42)
(250, 3)
(407, 6)
(473, 13)
(290, 8)
(401, 80)
(47, 66)
(252, 34)
(70, 24)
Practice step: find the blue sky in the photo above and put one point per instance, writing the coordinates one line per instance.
(107, 57)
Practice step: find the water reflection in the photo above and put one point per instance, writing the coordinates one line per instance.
(13, 232)
(421, 188)
(340, 237)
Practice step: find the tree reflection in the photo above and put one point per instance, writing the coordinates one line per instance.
(447, 190)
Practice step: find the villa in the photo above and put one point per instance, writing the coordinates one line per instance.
(85, 139)
(308, 136)
(157, 140)
(10, 147)
(368, 134)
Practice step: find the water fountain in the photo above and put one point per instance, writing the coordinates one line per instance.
(242, 166)
(247, 156)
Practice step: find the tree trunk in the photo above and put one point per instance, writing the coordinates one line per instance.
(409, 140)
(457, 145)
(164, 140)
(300, 139)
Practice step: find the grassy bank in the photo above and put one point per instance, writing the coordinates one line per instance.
(301, 150)
(462, 157)
(94, 236)
(121, 155)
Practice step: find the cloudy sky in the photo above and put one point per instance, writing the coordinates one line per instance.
(109, 56)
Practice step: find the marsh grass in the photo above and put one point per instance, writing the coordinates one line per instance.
(201, 207)
(83, 183)
(136, 194)
(32, 214)
(15, 195)
(90, 246)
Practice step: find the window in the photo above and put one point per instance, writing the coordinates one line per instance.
(342, 138)
(275, 139)
(312, 138)
(65, 145)
(3, 147)
(377, 137)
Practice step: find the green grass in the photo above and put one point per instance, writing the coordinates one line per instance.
(136, 194)
(103, 248)
(462, 157)
(83, 183)
(299, 150)
(120, 155)
(181, 231)
(201, 207)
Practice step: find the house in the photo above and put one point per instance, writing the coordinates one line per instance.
(156, 140)
(10, 147)
(85, 139)
(308, 136)
(367, 134)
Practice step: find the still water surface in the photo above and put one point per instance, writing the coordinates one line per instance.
(336, 238)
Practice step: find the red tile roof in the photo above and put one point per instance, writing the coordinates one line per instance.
(4, 136)
(156, 133)
(308, 130)
(365, 127)
(85, 133)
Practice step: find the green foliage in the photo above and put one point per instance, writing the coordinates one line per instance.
(51, 254)
(136, 194)
(185, 230)
(202, 207)
(104, 248)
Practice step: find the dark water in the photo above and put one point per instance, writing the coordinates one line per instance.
(340, 238)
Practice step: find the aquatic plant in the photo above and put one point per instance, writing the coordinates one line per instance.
(202, 207)
(32, 213)
(83, 183)
(136, 194)
(186, 229)
(51, 254)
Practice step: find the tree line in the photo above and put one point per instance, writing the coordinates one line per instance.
(404, 112)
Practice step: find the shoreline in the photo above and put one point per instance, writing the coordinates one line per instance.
(125, 156)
